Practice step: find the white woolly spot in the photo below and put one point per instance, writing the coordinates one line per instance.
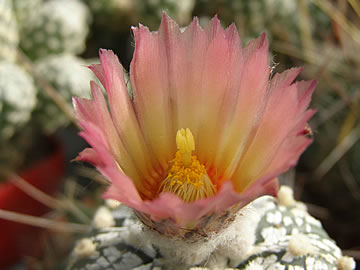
(273, 235)
(270, 260)
(103, 218)
(274, 217)
(301, 206)
(335, 250)
(309, 261)
(254, 266)
(238, 241)
(84, 248)
(288, 257)
(295, 267)
(320, 244)
(287, 221)
(299, 221)
(112, 203)
(298, 212)
(313, 236)
(346, 263)
(300, 245)
(313, 221)
(286, 196)
(276, 266)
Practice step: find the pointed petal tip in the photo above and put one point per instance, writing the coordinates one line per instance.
(165, 17)
(264, 42)
(101, 51)
(314, 83)
(232, 27)
(216, 20)
(195, 20)
(73, 101)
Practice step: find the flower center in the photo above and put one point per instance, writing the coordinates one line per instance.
(187, 177)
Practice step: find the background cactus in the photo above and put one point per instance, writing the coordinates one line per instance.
(49, 33)
(56, 27)
(18, 98)
(9, 36)
(70, 77)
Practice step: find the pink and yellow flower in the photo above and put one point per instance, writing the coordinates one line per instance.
(208, 128)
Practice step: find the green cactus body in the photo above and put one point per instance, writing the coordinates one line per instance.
(287, 237)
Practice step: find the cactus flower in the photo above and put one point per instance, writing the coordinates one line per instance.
(208, 128)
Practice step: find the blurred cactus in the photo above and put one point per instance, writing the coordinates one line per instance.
(279, 18)
(23, 9)
(18, 98)
(9, 37)
(119, 14)
(56, 27)
(68, 75)
(51, 33)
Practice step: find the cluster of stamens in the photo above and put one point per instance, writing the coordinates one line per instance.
(187, 177)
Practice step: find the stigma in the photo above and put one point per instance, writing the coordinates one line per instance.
(187, 177)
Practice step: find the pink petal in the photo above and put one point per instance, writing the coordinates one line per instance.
(214, 87)
(123, 114)
(305, 91)
(95, 111)
(280, 116)
(188, 61)
(150, 82)
(250, 100)
(99, 73)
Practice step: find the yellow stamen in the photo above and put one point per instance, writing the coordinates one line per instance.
(185, 144)
(187, 178)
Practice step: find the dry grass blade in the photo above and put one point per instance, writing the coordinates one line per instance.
(291, 50)
(33, 192)
(93, 175)
(47, 200)
(355, 5)
(44, 222)
(339, 18)
(337, 153)
(349, 179)
(305, 28)
(352, 253)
